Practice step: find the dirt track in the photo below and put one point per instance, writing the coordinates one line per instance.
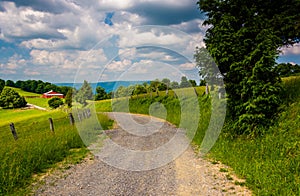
(128, 175)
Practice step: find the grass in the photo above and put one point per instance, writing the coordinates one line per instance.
(25, 116)
(37, 148)
(42, 102)
(25, 93)
(270, 164)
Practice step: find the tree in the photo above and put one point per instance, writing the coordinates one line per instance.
(84, 93)
(9, 98)
(154, 85)
(2, 84)
(202, 83)
(184, 82)
(10, 83)
(100, 93)
(68, 98)
(244, 39)
(174, 85)
(208, 70)
(139, 89)
(55, 102)
(193, 83)
(167, 83)
(287, 69)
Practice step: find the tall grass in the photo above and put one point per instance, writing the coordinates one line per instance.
(36, 149)
(270, 163)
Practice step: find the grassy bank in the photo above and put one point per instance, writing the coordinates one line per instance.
(270, 163)
(37, 148)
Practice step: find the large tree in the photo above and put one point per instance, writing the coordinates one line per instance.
(245, 38)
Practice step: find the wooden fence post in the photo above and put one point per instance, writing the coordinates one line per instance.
(79, 116)
(51, 124)
(13, 130)
(71, 119)
(195, 91)
(206, 89)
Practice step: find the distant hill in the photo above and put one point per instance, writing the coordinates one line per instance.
(108, 86)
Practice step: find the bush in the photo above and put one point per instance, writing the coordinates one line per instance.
(55, 102)
(9, 98)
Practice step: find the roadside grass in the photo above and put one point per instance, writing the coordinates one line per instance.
(270, 163)
(37, 148)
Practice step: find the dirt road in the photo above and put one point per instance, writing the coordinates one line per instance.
(113, 173)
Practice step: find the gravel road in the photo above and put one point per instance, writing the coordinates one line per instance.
(113, 173)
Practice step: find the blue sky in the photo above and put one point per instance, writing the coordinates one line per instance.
(102, 40)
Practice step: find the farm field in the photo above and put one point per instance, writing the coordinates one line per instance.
(25, 115)
(37, 147)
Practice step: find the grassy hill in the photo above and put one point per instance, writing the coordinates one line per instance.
(24, 93)
(270, 163)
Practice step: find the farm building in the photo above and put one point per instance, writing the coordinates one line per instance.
(51, 94)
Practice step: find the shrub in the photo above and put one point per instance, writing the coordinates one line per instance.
(55, 102)
(9, 98)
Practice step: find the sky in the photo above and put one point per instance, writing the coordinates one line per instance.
(102, 40)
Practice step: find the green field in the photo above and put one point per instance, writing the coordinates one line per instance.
(24, 115)
(38, 148)
(24, 93)
(42, 102)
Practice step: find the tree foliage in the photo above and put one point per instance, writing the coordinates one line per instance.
(9, 98)
(287, 69)
(244, 38)
(84, 93)
(10, 83)
(184, 83)
(69, 98)
(55, 102)
(38, 86)
(101, 94)
(2, 84)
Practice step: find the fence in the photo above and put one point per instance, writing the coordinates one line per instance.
(71, 118)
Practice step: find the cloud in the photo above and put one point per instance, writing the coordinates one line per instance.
(68, 59)
(294, 50)
(58, 36)
(24, 22)
(29, 72)
(187, 66)
(119, 65)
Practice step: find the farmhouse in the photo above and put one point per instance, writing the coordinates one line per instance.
(51, 94)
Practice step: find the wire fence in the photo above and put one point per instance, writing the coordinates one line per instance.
(23, 130)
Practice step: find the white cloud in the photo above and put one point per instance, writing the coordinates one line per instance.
(30, 72)
(24, 22)
(119, 65)
(294, 50)
(187, 66)
(68, 59)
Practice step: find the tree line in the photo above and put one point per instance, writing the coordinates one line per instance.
(37, 86)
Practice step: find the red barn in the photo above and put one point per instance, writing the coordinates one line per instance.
(51, 94)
